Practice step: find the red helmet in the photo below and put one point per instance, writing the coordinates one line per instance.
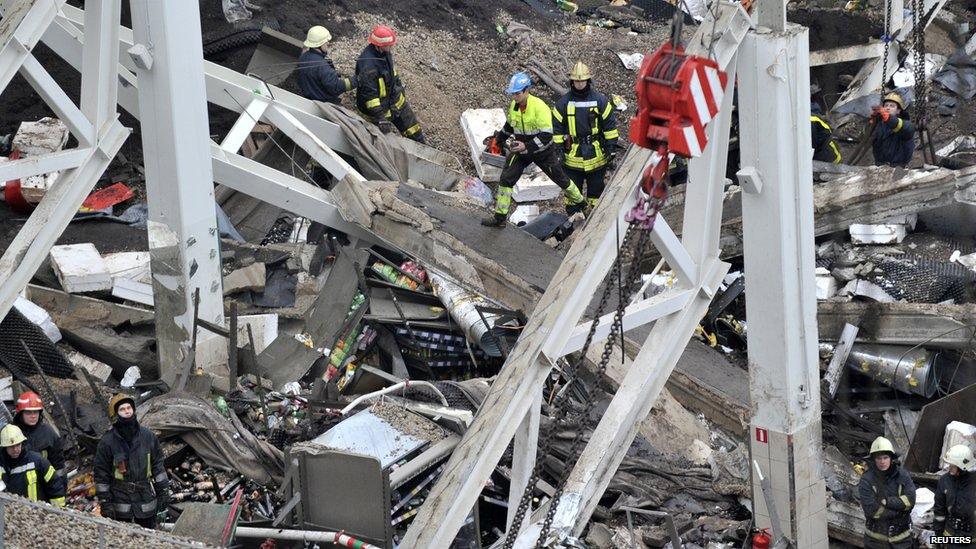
(29, 401)
(381, 35)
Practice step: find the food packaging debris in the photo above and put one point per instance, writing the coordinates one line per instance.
(106, 198)
(476, 189)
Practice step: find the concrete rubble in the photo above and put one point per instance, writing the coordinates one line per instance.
(348, 370)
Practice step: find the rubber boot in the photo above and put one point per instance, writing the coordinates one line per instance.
(419, 137)
(494, 220)
(573, 199)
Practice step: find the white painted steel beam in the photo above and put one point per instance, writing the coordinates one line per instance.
(24, 22)
(245, 123)
(637, 314)
(47, 163)
(183, 240)
(62, 105)
(784, 368)
(524, 450)
(100, 61)
(310, 143)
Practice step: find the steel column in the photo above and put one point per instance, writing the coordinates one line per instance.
(183, 240)
(784, 370)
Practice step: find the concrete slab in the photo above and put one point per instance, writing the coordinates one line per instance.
(99, 370)
(251, 277)
(212, 349)
(80, 268)
(130, 265)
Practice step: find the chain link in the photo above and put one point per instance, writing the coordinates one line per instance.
(559, 409)
(887, 38)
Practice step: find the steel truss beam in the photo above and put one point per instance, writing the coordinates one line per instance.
(95, 124)
(512, 403)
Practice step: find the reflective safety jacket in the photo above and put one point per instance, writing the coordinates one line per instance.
(954, 513)
(43, 439)
(318, 78)
(588, 121)
(824, 147)
(887, 499)
(33, 477)
(130, 474)
(531, 125)
(894, 141)
(379, 90)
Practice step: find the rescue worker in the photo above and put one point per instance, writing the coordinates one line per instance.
(822, 136)
(130, 477)
(887, 496)
(893, 142)
(317, 76)
(380, 95)
(41, 437)
(955, 496)
(585, 124)
(27, 473)
(529, 123)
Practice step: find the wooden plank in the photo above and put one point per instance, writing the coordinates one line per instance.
(945, 326)
(836, 367)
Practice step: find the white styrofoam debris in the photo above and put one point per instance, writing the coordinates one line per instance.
(7, 389)
(877, 234)
(826, 284)
(864, 288)
(130, 265)
(478, 124)
(924, 502)
(45, 136)
(80, 268)
(631, 61)
(131, 290)
(39, 316)
(523, 213)
(99, 370)
(957, 432)
(132, 375)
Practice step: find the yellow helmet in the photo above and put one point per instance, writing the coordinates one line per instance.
(113, 405)
(894, 98)
(580, 72)
(317, 36)
(11, 435)
(882, 445)
(962, 457)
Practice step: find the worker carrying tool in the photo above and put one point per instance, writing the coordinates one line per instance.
(887, 496)
(528, 138)
(318, 78)
(955, 497)
(585, 124)
(380, 95)
(41, 437)
(893, 142)
(130, 477)
(27, 473)
(822, 136)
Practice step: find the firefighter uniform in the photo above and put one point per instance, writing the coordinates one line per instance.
(29, 474)
(893, 142)
(130, 475)
(954, 513)
(381, 96)
(887, 498)
(317, 76)
(41, 437)
(584, 123)
(824, 147)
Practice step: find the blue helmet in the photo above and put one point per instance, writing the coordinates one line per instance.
(519, 82)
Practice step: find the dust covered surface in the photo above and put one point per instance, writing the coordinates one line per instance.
(408, 423)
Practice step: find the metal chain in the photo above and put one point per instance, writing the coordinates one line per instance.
(918, 55)
(558, 407)
(887, 38)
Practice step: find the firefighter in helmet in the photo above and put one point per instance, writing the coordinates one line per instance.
(27, 473)
(380, 94)
(585, 124)
(130, 477)
(887, 496)
(41, 437)
(955, 497)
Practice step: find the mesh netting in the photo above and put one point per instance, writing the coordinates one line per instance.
(16, 328)
(920, 280)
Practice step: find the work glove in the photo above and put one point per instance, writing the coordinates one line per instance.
(568, 143)
(385, 126)
(518, 147)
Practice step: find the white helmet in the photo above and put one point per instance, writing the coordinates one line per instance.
(961, 456)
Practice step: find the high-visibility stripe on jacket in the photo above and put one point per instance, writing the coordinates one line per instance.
(33, 477)
(588, 120)
(379, 90)
(887, 500)
(824, 147)
(130, 474)
(531, 125)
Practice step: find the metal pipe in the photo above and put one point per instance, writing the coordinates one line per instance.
(461, 303)
(907, 369)
(337, 538)
(391, 389)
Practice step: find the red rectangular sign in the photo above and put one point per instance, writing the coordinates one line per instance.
(762, 435)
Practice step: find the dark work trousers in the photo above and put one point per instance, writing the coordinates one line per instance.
(594, 181)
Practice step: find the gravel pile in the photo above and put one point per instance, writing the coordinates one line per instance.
(27, 526)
